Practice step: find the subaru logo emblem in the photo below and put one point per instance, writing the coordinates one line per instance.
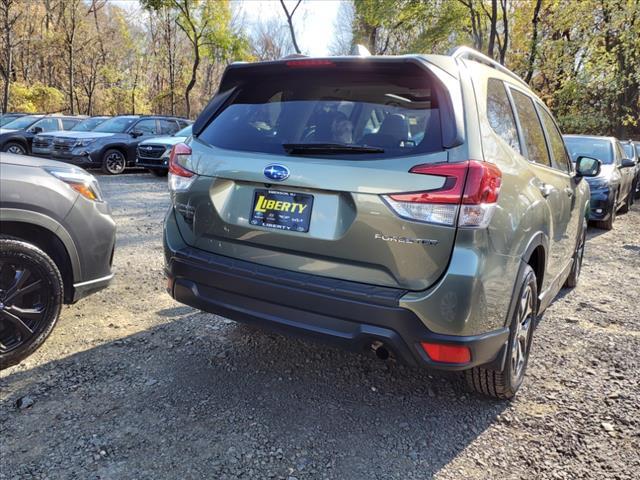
(148, 148)
(276, 172)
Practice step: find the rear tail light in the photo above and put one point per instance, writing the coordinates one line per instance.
(469, 194)
(180, 177)
(444, 353)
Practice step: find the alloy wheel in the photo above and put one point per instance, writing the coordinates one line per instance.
(24, 304)
(16, 149)
(115, 163)
(521, 338)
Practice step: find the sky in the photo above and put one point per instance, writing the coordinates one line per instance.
(314, 20)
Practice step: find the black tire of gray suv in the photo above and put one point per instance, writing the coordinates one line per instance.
(14, 147)
(627, 203)
(31, 297)
(578, 256)
(113, 162)
(503, 384)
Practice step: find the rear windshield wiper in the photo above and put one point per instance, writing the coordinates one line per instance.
(327, 148)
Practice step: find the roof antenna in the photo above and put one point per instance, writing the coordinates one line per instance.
(360, 50)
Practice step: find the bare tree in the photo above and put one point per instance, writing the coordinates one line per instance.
(343, 28)
(9, 19)
(290, 22)
(271, 40)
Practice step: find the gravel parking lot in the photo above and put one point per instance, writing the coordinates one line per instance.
(133, 385)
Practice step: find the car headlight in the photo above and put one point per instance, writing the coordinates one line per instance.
(84, 142)
(82, 182)
(598, 183)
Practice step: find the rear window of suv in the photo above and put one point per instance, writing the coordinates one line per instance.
(390, 107)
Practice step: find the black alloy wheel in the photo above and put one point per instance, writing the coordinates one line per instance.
(30, 299)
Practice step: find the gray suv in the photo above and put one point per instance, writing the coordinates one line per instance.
(421, 207)
(57, 240)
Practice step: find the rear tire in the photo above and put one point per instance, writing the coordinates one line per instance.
(627, 203)
(14, 147)
(113, 162)
(157, 172)
(578, 256)
(31, 296)
(503, 384)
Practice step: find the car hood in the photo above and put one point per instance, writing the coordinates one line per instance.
(7, 130)
(168, 141)
(27, 161)
(82, 135)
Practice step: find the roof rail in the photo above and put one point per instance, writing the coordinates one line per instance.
(471, 54)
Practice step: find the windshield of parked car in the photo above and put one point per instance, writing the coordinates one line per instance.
(628, 150)
(381, 111)
(116, 125)
(598, 148)
(88, 124)
(185, 132)
(22, 122)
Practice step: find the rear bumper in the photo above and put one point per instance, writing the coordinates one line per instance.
(349, 315)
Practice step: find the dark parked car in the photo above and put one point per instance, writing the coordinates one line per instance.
(9, 117)
(42, 143)
(17, 136)
(112, 144)
(57, 240)
(611, 191)
(421, 207)
(154, 153)
(632, 151)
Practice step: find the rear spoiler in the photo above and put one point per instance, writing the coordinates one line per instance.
(449, 98)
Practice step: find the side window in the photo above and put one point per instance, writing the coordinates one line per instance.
(48, 124)
(68, 123)
(500, 114)
(531, 129)
(561, 160)
(168, 127)
(147, 127)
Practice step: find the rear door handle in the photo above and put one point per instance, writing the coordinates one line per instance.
(546, 189)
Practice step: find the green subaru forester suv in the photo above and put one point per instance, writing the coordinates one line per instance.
(422, 207)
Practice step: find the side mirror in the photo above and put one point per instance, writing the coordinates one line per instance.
(587, 167)
(36, 130)
(136, 133)
(627, 162)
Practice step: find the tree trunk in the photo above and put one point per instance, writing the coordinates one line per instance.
(493, 19)
(71, 79)
(192, 82)
(533, 50)
(290, 22)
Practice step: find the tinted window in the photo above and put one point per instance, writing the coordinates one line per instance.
(21, 123)
(390, 107)
(500, 114)
(68, 123)
(599, 148)
(561, 160)
(531, 129)
(88, 124)
(116, 125)
(48, 124)
(168, 127)
(638, 149)
(628, 150)
(147, 127)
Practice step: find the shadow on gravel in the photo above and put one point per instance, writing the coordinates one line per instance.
(213, 399)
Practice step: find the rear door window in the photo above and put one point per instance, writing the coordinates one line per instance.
(68, 123)
(561, 159)
(168, 127)
(500, 114)
(532, 132)
(147, 127)
(389, 107)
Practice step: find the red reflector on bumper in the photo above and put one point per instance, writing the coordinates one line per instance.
(443, 353)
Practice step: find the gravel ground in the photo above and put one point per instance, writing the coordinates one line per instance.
(133, 385)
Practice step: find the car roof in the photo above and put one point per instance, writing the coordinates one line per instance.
(592, 137)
